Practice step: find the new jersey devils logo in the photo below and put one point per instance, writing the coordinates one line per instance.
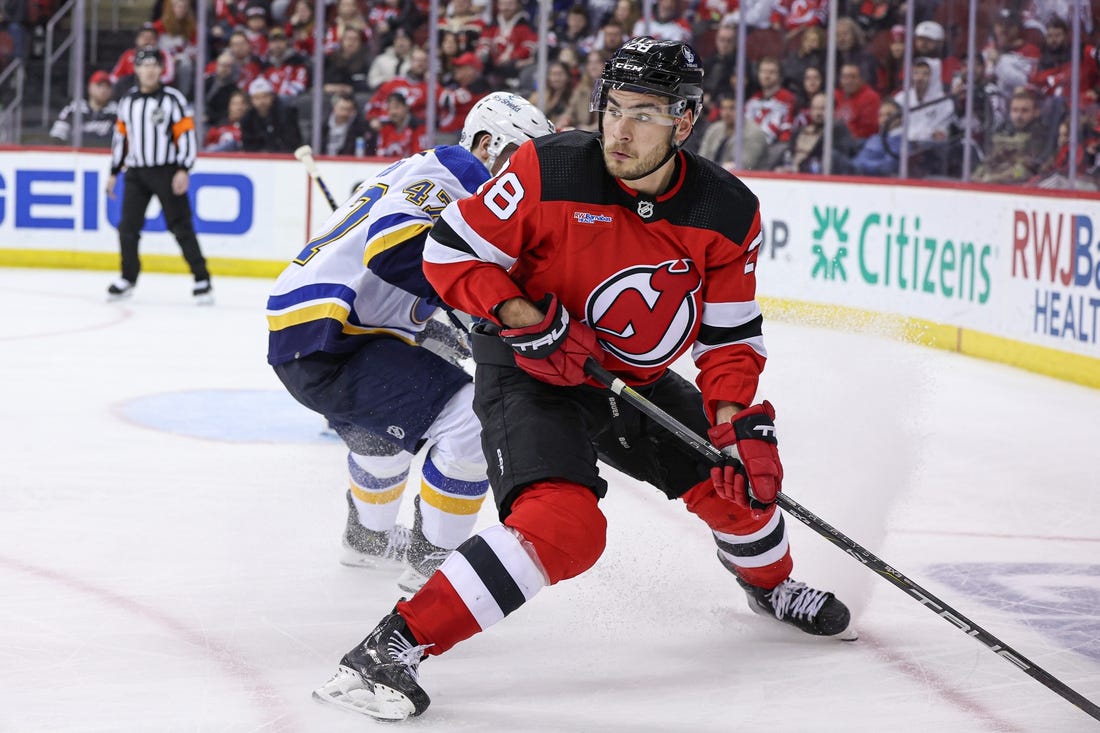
(645, 314)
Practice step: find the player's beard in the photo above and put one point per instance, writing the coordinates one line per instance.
(636, 167)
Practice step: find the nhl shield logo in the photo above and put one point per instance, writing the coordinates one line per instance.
(645, 209)
(158, 116)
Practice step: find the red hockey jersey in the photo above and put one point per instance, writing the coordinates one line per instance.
(653, 276)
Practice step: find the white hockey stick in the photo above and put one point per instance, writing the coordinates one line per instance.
(305, 154)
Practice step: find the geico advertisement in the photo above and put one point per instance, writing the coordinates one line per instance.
(973, 259)
(241, 207)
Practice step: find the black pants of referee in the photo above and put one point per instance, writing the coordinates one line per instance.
(141, 185)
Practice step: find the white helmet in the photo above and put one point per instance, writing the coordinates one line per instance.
(508, 118)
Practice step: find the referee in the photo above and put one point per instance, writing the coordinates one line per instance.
(155, 143)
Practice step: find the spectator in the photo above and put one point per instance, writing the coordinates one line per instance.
(347, 69)
(795, 16)
(575, 31)
(578, 114)
(226, 137)
(809, 54)
(1055, 51)
(719, 66)
(400, 134)
(892, 76)
(413, 86)
(719, 141)
(299, 27)
(929, 42)
(386, 17)
(1010, 60)
(98, 113)
(247, 66)
(757, 13)
(1021, 146)
(558, 92)
(461, 19)
(177, 38)
(668, 23)
(931, 114)
(122, 75)
(270, 126)
(625, 13)
(255, 29)
(467, 87)
(219, 87)
(813, 82)
(348, 15)
(849, 50)
(344, 127)
(1054, 74)
(507, 45)
(772, 109)
(879, 155)
(856, 104)
(1056, 173)
(283, 67)
(875, 16)
(448, 52)
(807, 147)
(611, 37)
(392, 62)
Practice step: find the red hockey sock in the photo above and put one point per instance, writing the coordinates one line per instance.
(725, 516)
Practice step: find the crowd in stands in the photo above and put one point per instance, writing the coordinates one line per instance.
(258, 77)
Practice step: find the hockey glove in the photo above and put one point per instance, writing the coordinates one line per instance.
(555, 349)
(755, 479)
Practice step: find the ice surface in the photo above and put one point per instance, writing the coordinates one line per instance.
(171, 522)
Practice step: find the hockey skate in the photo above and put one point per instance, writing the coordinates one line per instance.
(119, 289)
(367, 548)
(379, 677)
(203, 292)
(422, 558)
(812, 611)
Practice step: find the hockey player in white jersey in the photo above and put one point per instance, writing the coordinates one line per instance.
(352, 335)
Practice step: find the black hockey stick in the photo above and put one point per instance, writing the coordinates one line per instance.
(850, 546)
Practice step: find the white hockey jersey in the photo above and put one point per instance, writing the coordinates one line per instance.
(361, 274)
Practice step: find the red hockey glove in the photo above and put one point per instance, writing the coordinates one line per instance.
(755, 480)
(555, 349)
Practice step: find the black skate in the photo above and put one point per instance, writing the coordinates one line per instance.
(810, 610)
(422, 558)
(119, 289)
(379, 677)
(203, 292)
(367, 548)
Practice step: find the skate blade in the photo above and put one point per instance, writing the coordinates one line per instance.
(348, 691)
(204, 299)
(411, 580)
(115, 297)
(355, 559)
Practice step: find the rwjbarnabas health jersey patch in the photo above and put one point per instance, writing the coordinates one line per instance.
(645, 314)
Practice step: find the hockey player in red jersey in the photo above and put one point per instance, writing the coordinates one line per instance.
(622, 248)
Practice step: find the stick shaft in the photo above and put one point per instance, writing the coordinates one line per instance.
(850, 546)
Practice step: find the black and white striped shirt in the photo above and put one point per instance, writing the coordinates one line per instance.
(154, 129)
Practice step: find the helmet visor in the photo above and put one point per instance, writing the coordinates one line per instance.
(648, 111)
